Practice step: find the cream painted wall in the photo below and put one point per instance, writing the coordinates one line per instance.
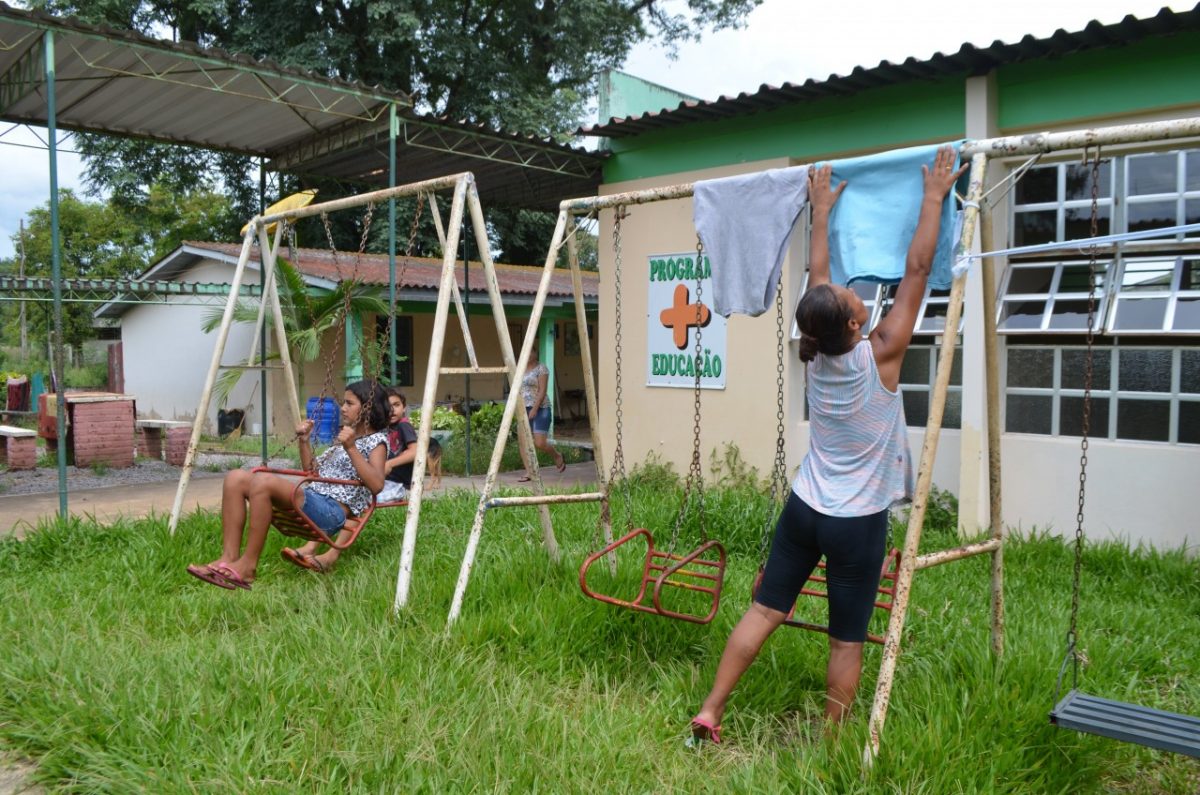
(659, 420)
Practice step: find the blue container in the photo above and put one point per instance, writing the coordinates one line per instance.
(326, 417)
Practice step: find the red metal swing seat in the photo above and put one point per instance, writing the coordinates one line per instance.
(887, 593)
(700, 571)
(293, 521)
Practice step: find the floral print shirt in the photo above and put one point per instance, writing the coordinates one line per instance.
(335, 463)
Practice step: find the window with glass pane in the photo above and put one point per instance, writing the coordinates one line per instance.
(1050, 296)
(1029, 414)
(1070, 416)
(1144, 292)
(1055, 203)
(1189, 422)
(867, 291)
(1143, 420)
(1153, 395)
(1187, 299)
(918, 372)
(1074, 368)
(1031, 367)
(931, 315)
(1144, 370)
(403, 337)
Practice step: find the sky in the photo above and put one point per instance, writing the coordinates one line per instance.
(783, 41)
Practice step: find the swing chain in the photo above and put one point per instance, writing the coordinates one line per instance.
(385, 346)
(1085, 428)
(695, 476)
(618, 462)
(779, 471)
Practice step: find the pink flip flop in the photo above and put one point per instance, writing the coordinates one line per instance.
(704, 730)
(231, 576)
(210, 575)
(303, 560)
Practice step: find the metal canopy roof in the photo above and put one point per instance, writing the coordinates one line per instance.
(969, 60)
(118, 82)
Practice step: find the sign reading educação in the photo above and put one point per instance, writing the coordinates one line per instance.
(673, 315)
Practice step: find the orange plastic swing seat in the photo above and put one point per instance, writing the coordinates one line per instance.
(887, 593)
(293, 521)
(700, 571)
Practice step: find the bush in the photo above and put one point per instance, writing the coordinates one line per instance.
(444, 419)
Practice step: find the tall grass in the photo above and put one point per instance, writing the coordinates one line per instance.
(120, 673)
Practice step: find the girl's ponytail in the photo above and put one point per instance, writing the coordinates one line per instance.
(808, 348)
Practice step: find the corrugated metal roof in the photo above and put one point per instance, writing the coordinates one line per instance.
(415, 273)
(969, 60)
(419, 274)
(118, 82)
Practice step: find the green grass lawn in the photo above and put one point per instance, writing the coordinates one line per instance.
(120, 673)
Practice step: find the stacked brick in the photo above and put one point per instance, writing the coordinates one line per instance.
(18, 448)
(177, 445)
(149, 443)
(102, 433)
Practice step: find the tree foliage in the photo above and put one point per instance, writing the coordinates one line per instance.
(520, 65)
(103, 240)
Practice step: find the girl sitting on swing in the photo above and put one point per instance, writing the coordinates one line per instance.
(358, 453)
(858, 463)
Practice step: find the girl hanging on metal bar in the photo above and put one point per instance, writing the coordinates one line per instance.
(358, 454)
(858, 463)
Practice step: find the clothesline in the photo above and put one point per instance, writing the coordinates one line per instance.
(1083, 244)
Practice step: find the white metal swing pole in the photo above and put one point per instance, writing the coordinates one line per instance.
(589, 387)
(211, 377)
(269, 257)
(916, 518)
(268, 279)
(429, 397)
(514, 397)
(524, 429)
(458, 304)
(1033, 143)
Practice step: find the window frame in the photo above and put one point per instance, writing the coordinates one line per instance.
(1110, 392)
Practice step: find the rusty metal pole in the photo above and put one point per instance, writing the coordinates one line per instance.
(916, 518)
(992, 367)
(589, 391)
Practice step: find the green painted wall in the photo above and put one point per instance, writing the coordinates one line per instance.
(624, 95)
(878, 118)
(1145, 76)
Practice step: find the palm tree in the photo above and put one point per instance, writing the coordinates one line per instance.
(308, 314)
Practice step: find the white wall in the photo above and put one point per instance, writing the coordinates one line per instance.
(167, 358)
(1144, 493)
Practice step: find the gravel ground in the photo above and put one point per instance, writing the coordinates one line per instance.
(143, 471)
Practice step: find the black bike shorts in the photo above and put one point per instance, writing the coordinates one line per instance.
(853, 548)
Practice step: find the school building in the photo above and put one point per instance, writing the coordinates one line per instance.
(1144, 459)
(166, 353)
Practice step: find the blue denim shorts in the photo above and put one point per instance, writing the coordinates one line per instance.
(325, 512)
(541, 420)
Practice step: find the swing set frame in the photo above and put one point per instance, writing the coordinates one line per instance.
(978, 152)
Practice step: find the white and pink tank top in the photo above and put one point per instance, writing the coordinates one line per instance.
(858, 460)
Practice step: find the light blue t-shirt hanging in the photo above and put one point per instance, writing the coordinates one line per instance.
(873, 222)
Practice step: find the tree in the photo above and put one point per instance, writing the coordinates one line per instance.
(96, 242)
(308, 316)
(103, 240)
(521, 65)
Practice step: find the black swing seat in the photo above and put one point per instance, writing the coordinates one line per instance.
(1153, 728)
